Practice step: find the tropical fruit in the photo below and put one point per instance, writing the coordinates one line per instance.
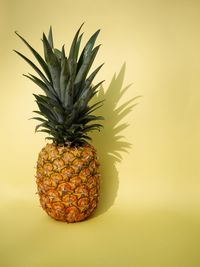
(68, 176)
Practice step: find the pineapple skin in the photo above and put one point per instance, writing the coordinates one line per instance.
(68, 181)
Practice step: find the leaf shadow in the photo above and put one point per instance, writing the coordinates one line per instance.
(110, 143)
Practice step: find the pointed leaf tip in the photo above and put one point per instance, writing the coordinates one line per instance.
(50, 37)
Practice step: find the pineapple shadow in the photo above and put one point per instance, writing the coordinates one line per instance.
(109, 142)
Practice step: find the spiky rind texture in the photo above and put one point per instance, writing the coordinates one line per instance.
(68, 181)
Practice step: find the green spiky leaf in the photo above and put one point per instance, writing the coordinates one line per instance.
(53, 64)
(33, 66)
(64, 110)
(50, 37)
(75, 44)
(37, 56)
(88, 48)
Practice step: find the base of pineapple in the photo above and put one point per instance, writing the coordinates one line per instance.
(68, 181)
(60, 212)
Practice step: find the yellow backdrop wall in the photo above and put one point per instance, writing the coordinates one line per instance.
(149, 212)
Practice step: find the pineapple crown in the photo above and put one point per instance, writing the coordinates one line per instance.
(65, 113)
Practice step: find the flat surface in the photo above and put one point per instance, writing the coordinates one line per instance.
(116, 238)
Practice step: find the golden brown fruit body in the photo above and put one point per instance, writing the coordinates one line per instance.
(68, 181)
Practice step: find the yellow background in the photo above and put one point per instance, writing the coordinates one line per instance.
(149, 214)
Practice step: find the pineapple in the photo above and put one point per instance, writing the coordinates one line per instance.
(67, 176)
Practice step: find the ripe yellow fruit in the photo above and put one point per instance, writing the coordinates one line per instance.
(68, 181)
